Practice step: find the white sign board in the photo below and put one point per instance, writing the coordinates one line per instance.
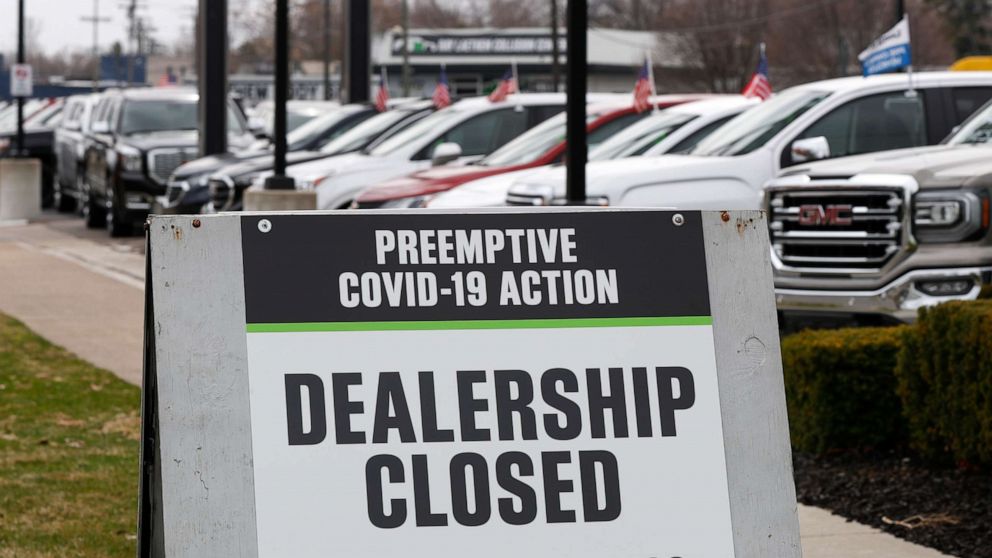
(21, 80)
(424, 384)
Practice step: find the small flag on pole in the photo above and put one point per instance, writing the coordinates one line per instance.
(442, 96)
(643, 89)
(759, 86)
(382, 95)
(888, 53)
(507, 85)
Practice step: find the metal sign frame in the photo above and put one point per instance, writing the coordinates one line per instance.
(197, 483)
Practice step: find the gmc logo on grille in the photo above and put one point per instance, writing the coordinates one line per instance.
(830, 215)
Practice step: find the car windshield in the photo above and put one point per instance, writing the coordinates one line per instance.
(640, 137)
(360, 136)
(156, 116)
(535, 142)
(976, 130)
(432, 126)
(313, 128)
(756, 126)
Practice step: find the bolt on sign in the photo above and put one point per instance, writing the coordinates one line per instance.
(373, 384)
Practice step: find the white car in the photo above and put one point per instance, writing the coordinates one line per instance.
(464, 132)
(674, 129)
(819, 120)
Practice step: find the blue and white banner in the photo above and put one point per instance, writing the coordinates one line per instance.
(889, 52)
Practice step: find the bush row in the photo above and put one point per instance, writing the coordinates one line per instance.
(928, 386)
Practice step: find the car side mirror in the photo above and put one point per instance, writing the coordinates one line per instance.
(101, 127)
(74, 126)
(810, 149)
(445, 153)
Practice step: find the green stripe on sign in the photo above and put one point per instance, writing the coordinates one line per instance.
(481, 324)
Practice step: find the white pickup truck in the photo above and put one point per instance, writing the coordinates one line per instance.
(819, 120)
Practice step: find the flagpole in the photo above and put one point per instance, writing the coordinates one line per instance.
(516, 78)
(909, 68)
(654, 90)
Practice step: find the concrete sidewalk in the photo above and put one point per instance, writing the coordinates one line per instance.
(87, 296)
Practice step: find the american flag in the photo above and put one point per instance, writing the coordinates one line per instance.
(442, 96)
(382, 95)
(759, 86)
(507, 85)
(642, 89)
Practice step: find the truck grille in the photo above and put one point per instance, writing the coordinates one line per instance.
(162, 162)
(837, 229)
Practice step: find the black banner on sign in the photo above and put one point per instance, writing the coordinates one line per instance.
(437, 267)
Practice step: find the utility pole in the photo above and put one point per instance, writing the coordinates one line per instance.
(212, 77)
(96, 20)
(131, 35)
(327, 50)
(279, 180)
(406, 48)
(577, 17)
(555, 54)
(358, 71)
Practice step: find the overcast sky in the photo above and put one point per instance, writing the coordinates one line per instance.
(61, 27)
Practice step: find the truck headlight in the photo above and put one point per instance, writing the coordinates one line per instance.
(950, 216)
(130, 159)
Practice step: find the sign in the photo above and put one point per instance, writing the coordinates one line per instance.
(888, 53)
(374, 384)
(478, 45)
(21, 80)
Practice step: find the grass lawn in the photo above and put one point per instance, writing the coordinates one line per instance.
(68, 452)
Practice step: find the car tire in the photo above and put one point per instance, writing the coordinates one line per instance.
(94, 211)
(63, 202)
(116, 218)
(81, 192)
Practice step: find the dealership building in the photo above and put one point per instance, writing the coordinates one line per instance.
(475, 59)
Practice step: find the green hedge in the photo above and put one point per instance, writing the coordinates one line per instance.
(841, 389)
(945, 382)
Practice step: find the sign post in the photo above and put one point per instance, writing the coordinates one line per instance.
(563, 383)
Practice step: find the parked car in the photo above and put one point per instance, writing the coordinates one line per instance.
(818, 120)
(71, 137)
(227, 185)
(674, 130)
(187, 189)
(464, 132)
(542, 145)
(140, 136)
(41, 117)
(873, 238)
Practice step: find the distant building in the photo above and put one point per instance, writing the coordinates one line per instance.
(475, 59)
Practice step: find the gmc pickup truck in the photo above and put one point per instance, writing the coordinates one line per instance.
(871, 239)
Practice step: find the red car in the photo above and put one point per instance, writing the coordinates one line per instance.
(542, 145)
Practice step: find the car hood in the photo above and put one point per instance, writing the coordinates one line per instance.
(485, 192)
(181, 138)
(348, 163)
(433, 180)
(935, 166)
(265, 162)
(614, 177)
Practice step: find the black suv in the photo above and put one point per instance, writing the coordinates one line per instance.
(139, 137)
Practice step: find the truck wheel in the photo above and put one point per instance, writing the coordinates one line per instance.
(63, 202)
(117, 221)
(94, 212)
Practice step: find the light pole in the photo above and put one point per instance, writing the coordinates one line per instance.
(279, 180)
(578, 24)
(555, 55)
(406, 48)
